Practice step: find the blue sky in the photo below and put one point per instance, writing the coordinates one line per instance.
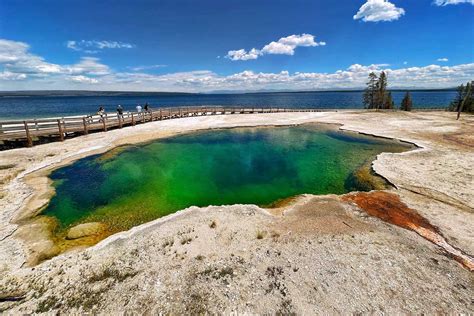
(207, 45)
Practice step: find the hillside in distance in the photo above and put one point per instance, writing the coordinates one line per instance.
(83, 93)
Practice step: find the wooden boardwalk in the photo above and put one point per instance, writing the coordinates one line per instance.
(28, 132)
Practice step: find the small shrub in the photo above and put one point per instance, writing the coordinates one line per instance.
(168, 242)
(47, 304)
(260, 234)
(186, 240)
(275, 236)
(227, 271)
(112, 273)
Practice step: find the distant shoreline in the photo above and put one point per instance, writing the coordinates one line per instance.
(82, 93)
(88, 93)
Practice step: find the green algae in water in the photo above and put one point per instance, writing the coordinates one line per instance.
(219, 167)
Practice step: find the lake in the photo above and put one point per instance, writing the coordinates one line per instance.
(35, 107)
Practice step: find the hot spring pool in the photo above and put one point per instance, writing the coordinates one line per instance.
(135, 184)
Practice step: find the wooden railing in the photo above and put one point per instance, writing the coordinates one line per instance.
(28, 131)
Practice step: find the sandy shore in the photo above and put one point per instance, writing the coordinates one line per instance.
(319, 254)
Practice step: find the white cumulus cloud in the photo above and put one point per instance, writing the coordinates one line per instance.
(373, 67)
(284, 46)
(83, 79)
(353, 77)
(22, 70)
(242, 54)
(6, 75)
(447, 2)
(443, 59)
(11, 51)
(89, 66)
(16, 58)
(18, 63)
(378, 10)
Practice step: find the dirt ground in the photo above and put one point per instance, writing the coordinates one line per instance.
(314, 255)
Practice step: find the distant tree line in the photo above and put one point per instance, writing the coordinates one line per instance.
(376, 96)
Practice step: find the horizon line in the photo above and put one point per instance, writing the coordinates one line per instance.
(224, 91)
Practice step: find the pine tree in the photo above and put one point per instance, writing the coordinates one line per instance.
(389, 104)
(466, 103)
(407, 103)
(464, 98)
(469, 106)
(456, 103)
(376, 95)
(370, 91)
(381, 90)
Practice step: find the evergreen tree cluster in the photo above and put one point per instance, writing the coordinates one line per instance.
(407, 103)
(376, 95)
(466, 94)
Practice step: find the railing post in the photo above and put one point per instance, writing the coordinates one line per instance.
(84, 122)
(161, 115)
(28, 135)
(60, 128)
(103, 122)
(133, 120)
(119, 121)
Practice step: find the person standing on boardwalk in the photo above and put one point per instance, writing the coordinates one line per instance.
(119, 111)
(147, 110)
(101, 113)
(139, 110)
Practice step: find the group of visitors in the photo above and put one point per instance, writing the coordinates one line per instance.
(146, 108)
